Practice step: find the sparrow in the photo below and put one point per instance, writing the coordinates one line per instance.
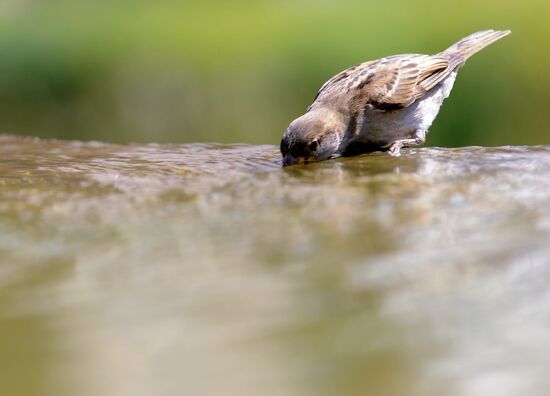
(384, 104)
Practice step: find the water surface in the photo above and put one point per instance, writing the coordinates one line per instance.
(207, 269)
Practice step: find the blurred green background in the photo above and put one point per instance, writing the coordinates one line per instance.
(240, 71)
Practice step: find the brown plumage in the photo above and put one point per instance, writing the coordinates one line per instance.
(383, 104)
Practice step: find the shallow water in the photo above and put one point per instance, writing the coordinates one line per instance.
(207, 269)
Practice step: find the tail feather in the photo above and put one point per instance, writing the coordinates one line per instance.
(475, 42)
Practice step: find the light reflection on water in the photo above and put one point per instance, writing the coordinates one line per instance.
(208, 269)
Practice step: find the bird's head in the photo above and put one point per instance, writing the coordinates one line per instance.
(315, 136)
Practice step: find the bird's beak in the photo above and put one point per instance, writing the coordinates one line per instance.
(289, 160)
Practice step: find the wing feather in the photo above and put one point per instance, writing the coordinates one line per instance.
(392, 82)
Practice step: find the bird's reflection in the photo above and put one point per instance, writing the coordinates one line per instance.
(351, 169)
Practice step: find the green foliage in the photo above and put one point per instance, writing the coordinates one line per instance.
(240, 71)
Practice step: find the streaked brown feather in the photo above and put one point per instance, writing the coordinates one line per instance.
(398, 81)
(395, 81)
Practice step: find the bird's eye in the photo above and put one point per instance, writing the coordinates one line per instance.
(313, 145)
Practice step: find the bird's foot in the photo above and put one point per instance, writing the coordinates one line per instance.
(395, 149)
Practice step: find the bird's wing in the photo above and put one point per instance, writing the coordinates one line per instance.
(393, 82)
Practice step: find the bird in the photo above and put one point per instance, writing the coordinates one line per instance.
(379, 105)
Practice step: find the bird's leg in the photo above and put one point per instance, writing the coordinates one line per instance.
(395, 147)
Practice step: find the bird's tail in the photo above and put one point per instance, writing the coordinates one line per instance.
(475, 42)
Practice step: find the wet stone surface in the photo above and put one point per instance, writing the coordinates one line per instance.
(207, 269)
